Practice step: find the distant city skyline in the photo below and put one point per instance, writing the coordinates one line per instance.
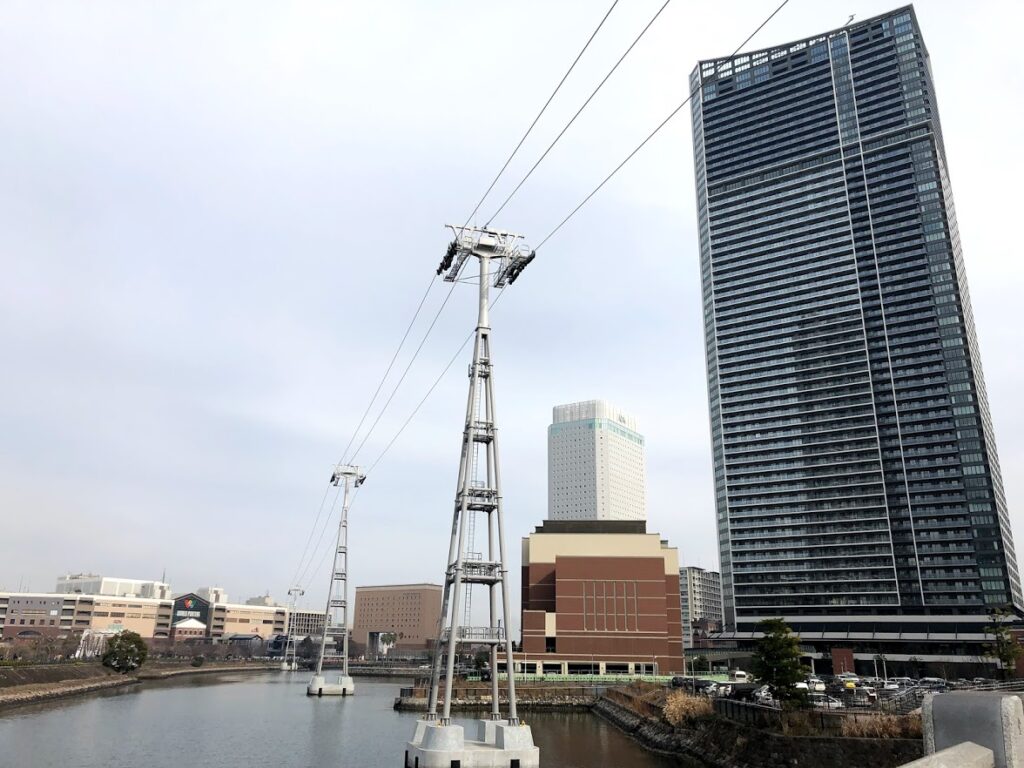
(213, 239)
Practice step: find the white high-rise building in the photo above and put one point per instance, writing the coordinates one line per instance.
(596, 468)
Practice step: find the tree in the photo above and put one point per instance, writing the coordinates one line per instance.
(69, 645)
(916, 667)
(126, 651)
(701, 663)
(481, 659)
(776, 660)
(1004, 645)
(306, 649)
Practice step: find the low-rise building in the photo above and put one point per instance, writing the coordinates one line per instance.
(26, 615)
(226, 619)
(302, 624)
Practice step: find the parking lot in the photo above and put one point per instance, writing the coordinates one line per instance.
(841, 692)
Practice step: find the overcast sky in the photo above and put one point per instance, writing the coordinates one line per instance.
(216, 219)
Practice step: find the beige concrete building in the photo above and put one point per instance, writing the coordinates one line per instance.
(410, 612)
(233, 619)
(25, 615)
(302, 624)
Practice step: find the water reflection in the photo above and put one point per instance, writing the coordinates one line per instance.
(265, 720)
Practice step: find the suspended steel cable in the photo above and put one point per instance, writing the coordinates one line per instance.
(542, 110)
(579, 111)
(652, 134)
(547, 237)
(393, 439)
(404, 373)
(391, 365)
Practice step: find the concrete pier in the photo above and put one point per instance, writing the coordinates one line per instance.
(490, 744)
(340, 686)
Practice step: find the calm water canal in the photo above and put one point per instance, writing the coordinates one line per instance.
(264, 721)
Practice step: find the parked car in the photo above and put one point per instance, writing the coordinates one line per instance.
(801, 686)
(743, 691)
(821, 701)
(815, 685)
(899, 683)
(763, 696)
(848, 677)
(739, 676)
(933, 683)
(861, 696)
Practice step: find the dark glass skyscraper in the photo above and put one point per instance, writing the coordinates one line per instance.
(855, 463)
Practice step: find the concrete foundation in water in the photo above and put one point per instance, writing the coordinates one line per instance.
(341, 686)
(492, 744)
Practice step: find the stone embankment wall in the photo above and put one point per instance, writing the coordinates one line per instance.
(719, 743)
(531, 696)
(30, 684)
(551, 703)
(25, 685)
(162, 671)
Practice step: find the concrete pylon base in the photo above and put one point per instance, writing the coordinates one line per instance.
(289, 666)
(495, 744)
(341, 686)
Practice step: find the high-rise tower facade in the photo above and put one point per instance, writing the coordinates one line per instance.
(596, 467)
(700, 601)
(854, 458)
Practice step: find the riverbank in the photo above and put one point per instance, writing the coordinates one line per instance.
(30, 685)
(716, 742)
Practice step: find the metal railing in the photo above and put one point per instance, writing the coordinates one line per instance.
(476, 633)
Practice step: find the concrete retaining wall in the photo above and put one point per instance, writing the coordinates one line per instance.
(719, 743)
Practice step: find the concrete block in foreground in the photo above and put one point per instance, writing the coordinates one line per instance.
(341, 686)
(966, 755)
(499, 745)
(990, 719)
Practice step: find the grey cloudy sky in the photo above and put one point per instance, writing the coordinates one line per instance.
(216, 220)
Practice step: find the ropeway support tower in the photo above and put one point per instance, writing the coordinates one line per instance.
(336, 618)
(288, 663)
(477, 523)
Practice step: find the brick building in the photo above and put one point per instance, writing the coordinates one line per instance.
(599, 596)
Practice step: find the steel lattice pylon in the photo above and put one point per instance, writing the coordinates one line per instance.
(501, 259)
(288, 660)
(336, 615)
